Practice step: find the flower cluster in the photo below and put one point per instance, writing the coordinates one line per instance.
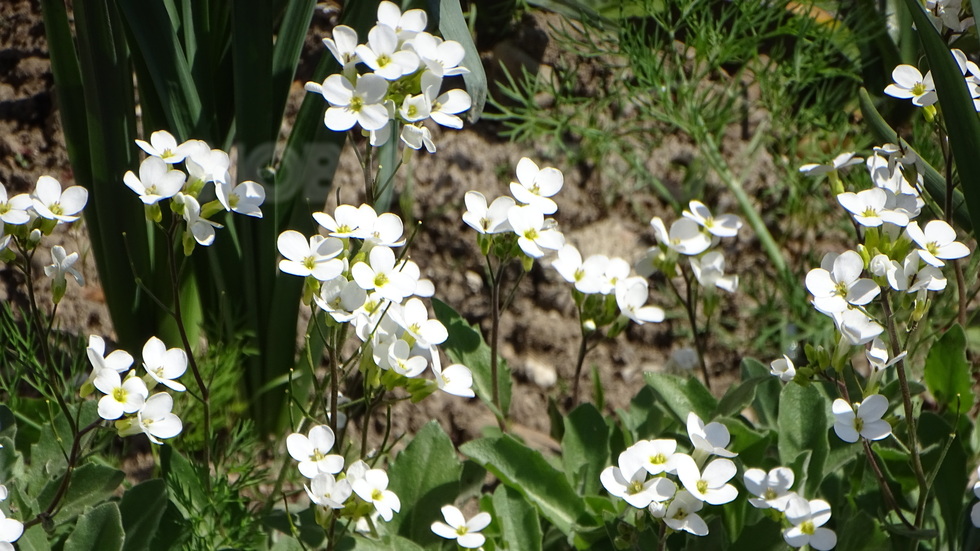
(806, 518)
(354, 275)
(158, 179)
(693, 235)
(10, 529)
(641, 477)
(911, 84)
(126, 396)
(948, 14)
(334, 492)
(407, 66)
(26, 218)
(898, 253)
(508, 227)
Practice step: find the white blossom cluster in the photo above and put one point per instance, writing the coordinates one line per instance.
(674, 486)
(911, 84)
(899, 254)
(159, 179)
(354, 275)
(642, 477)
(693, 235)
(126, 396)
(334, 492)
(523, 217)
(402, 87)
(26, 218)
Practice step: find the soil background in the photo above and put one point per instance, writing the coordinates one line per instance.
(539, 333)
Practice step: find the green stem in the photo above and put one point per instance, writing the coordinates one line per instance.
(494, 340)
(185, 341)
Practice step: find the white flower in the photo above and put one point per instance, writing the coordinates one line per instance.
(975, 511)
(413, 317)
(484, 219)
(909, 83)
(711, 439)
(157, 180)
(417, 136)
(537, 185)
(339, 298)
(866, 422)
(631, 297)
(327, 491)
(342, 45)
(808, 518)
(465, 532)
(656, 456)
(681, 514)
(710, 486)
(204, 164)
(456, 379)
(163, 365)
(834, 290)
(870, 207)
(372, 487)
(402, 362)
(783, 368)
(155, 419)
(441, 58)
(912, 275)
(630, 481)
(201, 228)
(383, 276)
(406, 25)
(14, 210)
(856, 326)
(710, 271)
(381, 54)
(52, 203)
(10, 531)
(772, 489)
(311, 452)
(118, 361)
(245, 198)
(62, 264)
(445, 108)
(937, 241)
(315, 257)
(726, 225)
(587, 275)
(843, 160)
(163, 145)
(121, 397)
(350, 104)
(534, 234)
(685, 236)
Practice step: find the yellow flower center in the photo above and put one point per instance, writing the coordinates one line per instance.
(807, 527)
(380, 280)
(119, 394)
(658, 459)
(702, 486)
(918, 89)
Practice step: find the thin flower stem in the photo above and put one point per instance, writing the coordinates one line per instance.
(909, 414)
(662, 537)
(688, 302)
(883, 484)
(961, 293)
(76, 450)
(494, 341)
(191, 360)
(582, 350)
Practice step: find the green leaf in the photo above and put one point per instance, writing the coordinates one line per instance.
(34, 539)
(288, 544)
(739, 396)
(517, 519)
(948, 374)
(453, 26)
(934, 182)
(945, 463)
(97, 530)
(683, 395)
(959, 114)
(861, 532)
(142, 508)
(388, 543)
(585, 448)
(803, 427)
(465, 345)
(424, 477)
(766, 401)
(528, 472)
